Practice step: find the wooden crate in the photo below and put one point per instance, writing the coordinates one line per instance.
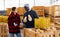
(46, 9)
(8, 10)
(45, 34)
(28, 32)
(6, 35)
(21, 10)
(57, 20)
(4, 32)
(50, 32)
(57, 26)
(57, 33)
(39, 10)
(52, 10)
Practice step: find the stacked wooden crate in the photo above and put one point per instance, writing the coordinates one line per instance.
(47, 9)
(8, 11)
(39, 10)
(57, 33)
(29, 32)
(56, 15)
(45, 33)
(55, 12)
(4, 30)
(21, 10)
(52, 10)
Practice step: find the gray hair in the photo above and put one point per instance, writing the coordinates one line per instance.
(26, 5)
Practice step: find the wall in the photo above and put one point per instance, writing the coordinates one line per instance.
(20, 3)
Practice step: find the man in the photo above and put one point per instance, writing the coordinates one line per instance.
(13, 23)
(29, 16)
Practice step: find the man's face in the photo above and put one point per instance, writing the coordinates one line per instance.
(26, 8)
(15, 11)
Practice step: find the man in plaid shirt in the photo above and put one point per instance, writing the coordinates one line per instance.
(14, 23)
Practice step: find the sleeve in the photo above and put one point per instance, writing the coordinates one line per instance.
(19, 19)
(35, 15)
(23, 18)
(9, 21)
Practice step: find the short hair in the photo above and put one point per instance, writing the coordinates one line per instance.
(13, 8)
(26, 5)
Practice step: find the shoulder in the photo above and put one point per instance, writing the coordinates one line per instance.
(11, 14)
(18, 14)
(25, 13)
(32, 10)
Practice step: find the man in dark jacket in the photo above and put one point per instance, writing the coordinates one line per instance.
(29, 17)
(13, 23)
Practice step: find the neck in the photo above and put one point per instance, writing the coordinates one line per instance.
(29, 10)
(14, 13)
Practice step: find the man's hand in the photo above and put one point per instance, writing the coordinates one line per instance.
(29, 18)
(25, 19)
(21, 25)
(15, 24)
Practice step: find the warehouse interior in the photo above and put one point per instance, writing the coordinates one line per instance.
(51, 7)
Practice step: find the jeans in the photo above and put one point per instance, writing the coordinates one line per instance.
(17, 34)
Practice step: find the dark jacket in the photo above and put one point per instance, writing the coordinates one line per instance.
(11, 19)
(30, 24)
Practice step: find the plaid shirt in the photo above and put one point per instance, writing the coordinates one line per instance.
(11, 19)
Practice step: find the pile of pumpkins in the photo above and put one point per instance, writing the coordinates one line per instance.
(42, 22)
